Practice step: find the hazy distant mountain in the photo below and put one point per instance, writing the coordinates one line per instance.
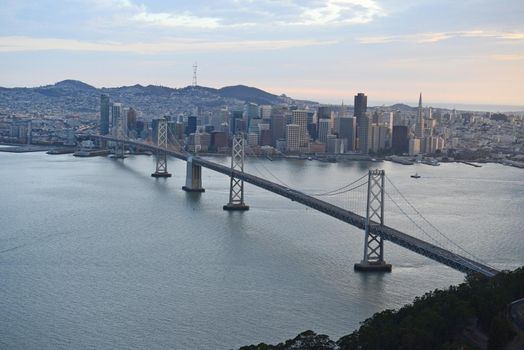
(73, 97)
(249, 94)
(402, 107)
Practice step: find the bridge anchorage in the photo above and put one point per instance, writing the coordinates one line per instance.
(236, 185)
(373, 260)
(161, 152)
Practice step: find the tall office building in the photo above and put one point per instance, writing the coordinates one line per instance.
(191, 125)
(364, 129)
(324, 129)
(400, 142)
(419, 127)
(251, 111)
(347, 131)
(105, 106)
(278, 128)
(334, 145)
(361, 105)
(360, 108)
(265, 111)
(293, 132)
(131, 119)
(116, 117)
(311, 125)
(324, 112)
(379, 137)
(234, 122)
(300, 119)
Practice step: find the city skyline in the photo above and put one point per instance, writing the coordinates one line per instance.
(324, 50)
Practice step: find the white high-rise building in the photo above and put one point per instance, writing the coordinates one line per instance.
(265, 111)
(414, 147)
(300, 119)
(118, 119)
(293, 132)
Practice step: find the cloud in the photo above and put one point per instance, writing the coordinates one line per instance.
(187, 20)
(340, 12)
(17, 44)
(421, 38)
(238, 13)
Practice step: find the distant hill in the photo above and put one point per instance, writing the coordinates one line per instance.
(73, 97)
(249, 94)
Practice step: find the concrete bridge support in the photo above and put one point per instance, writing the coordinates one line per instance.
(193, 177)
(373, 260)
(236, 186)
(161, 156)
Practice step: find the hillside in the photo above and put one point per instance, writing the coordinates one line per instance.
(74, 97)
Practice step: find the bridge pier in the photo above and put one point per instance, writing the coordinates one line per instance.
(373, 260)
(193, 177)
(236, 186)
(161, 156)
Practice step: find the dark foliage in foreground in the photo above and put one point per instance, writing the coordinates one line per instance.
(434, 321)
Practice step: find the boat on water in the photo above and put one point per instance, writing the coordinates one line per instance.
(415, 176)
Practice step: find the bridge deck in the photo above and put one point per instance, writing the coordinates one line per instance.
(414, 244)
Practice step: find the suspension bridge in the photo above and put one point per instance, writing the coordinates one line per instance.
(371, 221)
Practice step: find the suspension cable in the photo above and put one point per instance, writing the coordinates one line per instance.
(266, 169)
(433, 226)
(340, 188)
(341, 192)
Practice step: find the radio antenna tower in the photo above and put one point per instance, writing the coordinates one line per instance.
(195, 66)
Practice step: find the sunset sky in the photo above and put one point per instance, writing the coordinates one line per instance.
(469, 51)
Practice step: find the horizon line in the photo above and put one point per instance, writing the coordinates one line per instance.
(379, 104)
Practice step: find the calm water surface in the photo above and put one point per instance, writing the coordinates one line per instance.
(94, 253)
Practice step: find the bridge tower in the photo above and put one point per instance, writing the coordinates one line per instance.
(236, 186)
(374, 244)
(161, 155)
(193, 177)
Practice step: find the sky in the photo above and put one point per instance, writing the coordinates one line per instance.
(464, 52)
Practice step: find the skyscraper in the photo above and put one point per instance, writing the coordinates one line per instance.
(323, 112)
(419, 127)
(361, 105)
(347, 131)
(116, 115)
(360, 108)
(234, 122)
(191, 125)
(364, 129)
(300, 118)
(324, 129)
(400, 143)
(131, 119)
(293, 132)
(251, 111)
(104, 114)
